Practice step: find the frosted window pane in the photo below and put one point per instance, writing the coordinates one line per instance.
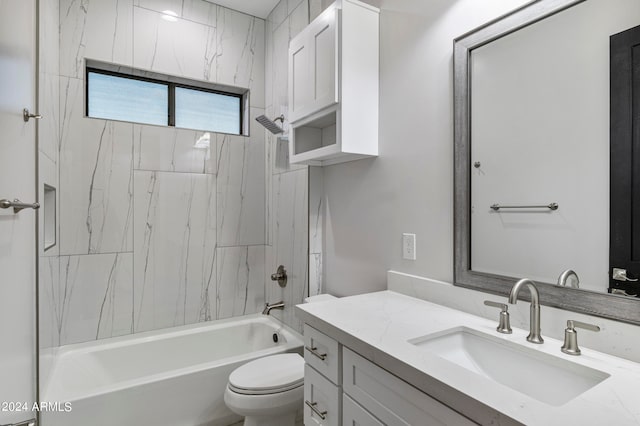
(200, 110)
(126, 99)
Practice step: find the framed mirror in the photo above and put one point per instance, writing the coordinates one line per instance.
(538, 96)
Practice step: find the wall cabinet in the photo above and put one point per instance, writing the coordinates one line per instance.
(364, 393)
(313, 66)
(333, 86)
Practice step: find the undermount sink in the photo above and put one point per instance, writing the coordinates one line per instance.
(541, 376)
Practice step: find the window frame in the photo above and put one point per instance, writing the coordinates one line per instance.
(171, 83)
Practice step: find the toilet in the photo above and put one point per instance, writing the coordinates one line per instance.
(269, 391)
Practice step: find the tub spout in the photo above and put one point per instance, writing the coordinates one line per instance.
(268, 307)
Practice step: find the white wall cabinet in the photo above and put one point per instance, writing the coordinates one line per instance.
(364, 394)
(333, 86)
(313, 67)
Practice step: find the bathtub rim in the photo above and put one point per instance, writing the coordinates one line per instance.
(294, 343)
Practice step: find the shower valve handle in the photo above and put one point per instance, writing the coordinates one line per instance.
(280, 276)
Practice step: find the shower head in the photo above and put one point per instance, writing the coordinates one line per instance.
(271, 125)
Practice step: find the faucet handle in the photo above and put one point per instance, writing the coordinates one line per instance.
(504, 325)
(584, 325)
(570, 345)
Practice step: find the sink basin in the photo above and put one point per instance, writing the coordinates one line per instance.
(552, 380)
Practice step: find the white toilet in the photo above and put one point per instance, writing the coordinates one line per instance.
(269, 391)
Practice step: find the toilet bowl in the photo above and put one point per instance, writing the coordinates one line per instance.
(267, 391)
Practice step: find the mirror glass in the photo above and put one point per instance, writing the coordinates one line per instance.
(539, 132)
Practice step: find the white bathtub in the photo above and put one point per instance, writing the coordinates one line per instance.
(169, 377)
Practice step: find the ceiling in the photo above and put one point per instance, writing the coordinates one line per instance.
(259, 8)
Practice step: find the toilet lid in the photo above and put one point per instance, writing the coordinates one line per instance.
(271, 374)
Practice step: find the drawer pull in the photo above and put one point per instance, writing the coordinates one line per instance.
(314, 352)
(312, 405)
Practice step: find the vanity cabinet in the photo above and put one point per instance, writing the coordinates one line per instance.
(390, 399)
(362, 393)
(333, 86)
(322, 379)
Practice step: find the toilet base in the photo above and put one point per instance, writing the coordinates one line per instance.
(284, 420)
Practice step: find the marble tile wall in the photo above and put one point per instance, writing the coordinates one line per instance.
(175, 242)
(290, 240)
(48, 148)
(96, 178)
(290, 243)
(153, 232)
(316, 229)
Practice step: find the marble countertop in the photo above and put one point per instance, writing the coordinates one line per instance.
(378, 325)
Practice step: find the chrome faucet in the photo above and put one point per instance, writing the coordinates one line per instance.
(534, 322)
(268, 307)
(564, 277)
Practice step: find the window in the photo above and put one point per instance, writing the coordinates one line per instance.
(123, 98)
(197, 109)
(163, 100)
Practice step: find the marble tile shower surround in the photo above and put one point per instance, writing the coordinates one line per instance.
(290, 240)
(153, 233)
(288, 203)
(316, 229)
(175, 246)
(96, 179)
(206, 42)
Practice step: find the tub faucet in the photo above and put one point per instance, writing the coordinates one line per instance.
(563, 279)
(268, 307)
(534, 322)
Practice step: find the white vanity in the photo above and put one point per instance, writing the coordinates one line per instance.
(387, 358)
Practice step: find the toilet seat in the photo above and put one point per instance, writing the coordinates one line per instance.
(269, 375)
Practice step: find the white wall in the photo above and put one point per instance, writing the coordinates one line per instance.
(540, 129)
(409, 187)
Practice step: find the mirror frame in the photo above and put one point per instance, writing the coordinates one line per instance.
(589, 302)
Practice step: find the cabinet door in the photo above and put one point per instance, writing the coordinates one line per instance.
(354, 415)
(322, 353)
(321, 400)
(313, 66)
(393, 401)
(323, 34)
(300, 78)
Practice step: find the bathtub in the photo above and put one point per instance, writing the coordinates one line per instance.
(169, 377)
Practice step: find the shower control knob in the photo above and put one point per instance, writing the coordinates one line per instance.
(280, 276)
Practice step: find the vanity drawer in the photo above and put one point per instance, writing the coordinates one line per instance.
(354, 415)
(321, 399)
(322, 353)
(390, 399)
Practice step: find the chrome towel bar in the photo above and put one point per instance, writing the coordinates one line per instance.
(551, 206)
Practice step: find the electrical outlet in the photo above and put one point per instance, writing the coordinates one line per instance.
(409, 246)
